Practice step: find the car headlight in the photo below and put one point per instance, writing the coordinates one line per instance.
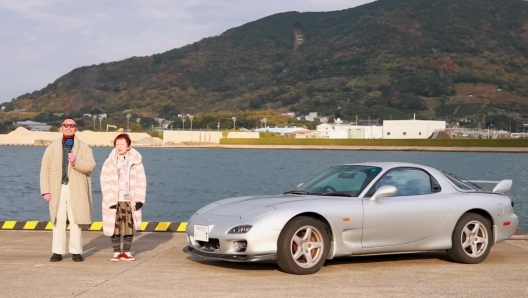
(240, 229)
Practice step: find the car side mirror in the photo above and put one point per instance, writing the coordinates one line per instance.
(384, 191)
(503, 186)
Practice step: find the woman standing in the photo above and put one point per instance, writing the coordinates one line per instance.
(124, 185)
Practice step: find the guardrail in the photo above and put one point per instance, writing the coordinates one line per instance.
(152, 226)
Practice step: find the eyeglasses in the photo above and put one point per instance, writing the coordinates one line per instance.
(69, 125)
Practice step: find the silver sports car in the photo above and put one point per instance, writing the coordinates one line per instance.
(357, 209)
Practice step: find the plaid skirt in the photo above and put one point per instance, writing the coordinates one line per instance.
(124, 224)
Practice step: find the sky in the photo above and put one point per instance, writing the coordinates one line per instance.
(41, 40)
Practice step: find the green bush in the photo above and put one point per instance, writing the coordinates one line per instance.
(267, 134)
(156, 134)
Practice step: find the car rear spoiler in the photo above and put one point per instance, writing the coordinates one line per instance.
(502, 186)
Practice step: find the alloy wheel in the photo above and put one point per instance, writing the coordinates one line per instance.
(306, 246)
(474, 239)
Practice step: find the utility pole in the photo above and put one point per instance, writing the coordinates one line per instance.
(128, 122)
(101, 117)
(190, 118)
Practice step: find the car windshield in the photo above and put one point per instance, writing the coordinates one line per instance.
(344, 180)
(461, 183)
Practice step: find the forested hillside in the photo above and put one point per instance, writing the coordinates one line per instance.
(440, 59)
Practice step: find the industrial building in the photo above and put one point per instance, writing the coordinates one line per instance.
(411, 129)
(282, 130)
(391, 129)
(34, 126)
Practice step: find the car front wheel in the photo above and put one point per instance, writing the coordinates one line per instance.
(303, 246)
(471, 239)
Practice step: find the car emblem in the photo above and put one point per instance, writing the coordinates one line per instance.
(210, 218)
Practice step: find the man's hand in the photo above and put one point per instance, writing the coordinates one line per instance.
(72, 159)
(46, 197)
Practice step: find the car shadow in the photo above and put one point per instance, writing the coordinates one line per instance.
(349, 260)
(400, 257)
(234, 265)
(142, 242)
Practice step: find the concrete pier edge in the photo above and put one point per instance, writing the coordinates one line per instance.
(35, 225)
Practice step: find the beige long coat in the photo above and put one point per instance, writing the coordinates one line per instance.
(80, 182)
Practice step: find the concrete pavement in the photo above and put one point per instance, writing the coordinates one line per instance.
(163, 270)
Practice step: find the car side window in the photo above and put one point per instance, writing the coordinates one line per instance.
(409, 182)
(435, 185)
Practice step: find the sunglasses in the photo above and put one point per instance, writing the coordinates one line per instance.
(69, 125)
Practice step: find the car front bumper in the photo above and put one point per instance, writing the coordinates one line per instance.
(263, 258)
(261, 240)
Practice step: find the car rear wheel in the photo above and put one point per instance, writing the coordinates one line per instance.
(471, 239)
(303, 246)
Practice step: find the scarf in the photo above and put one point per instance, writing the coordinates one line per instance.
(122, 168)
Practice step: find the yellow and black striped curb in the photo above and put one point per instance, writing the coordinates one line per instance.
(152, 226)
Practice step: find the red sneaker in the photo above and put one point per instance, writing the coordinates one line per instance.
(115, 257)
(127, 256)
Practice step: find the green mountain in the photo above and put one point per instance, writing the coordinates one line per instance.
(440, 59)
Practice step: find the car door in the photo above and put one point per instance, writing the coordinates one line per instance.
(417, 211)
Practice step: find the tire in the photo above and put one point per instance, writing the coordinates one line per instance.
(303, 246)
(471, 239)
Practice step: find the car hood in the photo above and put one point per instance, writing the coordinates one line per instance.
(251, 206)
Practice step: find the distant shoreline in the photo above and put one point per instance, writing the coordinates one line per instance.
(319, 147)
(358, 148)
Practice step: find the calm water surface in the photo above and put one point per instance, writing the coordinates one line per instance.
(180, 181)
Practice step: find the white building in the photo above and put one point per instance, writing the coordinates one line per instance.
(311, 116)
(411, 129)
(34, 126)
(282, 130)
(340, 130)
(334, 130)
(366, 132)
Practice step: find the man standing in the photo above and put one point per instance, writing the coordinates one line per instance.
(66, 185)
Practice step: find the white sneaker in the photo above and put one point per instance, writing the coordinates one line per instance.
(116, 257)
(127, 256)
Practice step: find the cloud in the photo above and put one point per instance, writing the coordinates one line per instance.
(41, 40)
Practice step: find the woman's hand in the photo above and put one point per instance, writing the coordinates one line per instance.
(138, 205)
